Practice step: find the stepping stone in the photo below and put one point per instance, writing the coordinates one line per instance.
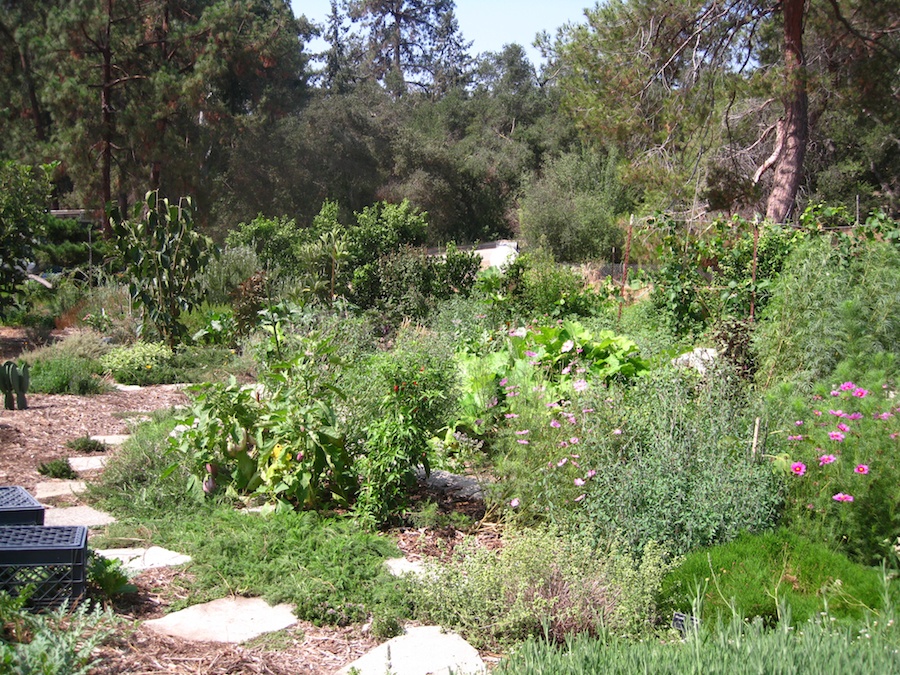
(422, 650)
(140, 559)
(77, 515)
(231, 620)
(402, 566)
(112, 439)
(127, 387)
(90, 463)
(58, 488)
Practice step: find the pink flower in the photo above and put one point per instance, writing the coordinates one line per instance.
(521, 441)
(835, 392)
(587, 410)
(567, 346)
(530, 354)
(617, 432)
(836, 436)
(836, 413)
(847, 386)
(580, 385)
(859, 392)
(523, 432)
(798, 468)
(573, 440)
(514, 503)
(510, 416)
(841, 497)
(862, 469)
(795, 438)
(885, 416)
(563, 444)
(580, 497)
(562, 461)
(591, 473)
(826, 459)
(817, 413)
(555, 424)
(843, 427)
(854, 416)
(798, 423)
(579, 482)
(566, 370)
(503, 382)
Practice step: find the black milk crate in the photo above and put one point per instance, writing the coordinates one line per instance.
(51, 558)
(17, 507)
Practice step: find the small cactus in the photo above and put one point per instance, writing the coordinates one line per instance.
(14, 385)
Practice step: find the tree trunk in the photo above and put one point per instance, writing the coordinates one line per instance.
(795, 124)
(106, 85)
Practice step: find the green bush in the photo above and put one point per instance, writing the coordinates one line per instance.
(67, 375)
(836, 303)
(754, 573)
(131, 364)
(674, 462)
(742, 648)
(57, 468)
(573, 207)
(539, 583)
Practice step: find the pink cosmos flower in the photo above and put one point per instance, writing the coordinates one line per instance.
(798, 423)
(567, 346)
(798, 468)
(826, 459)
(795, 438)
(562, 461)
(843, 427)
(573, 440)
(835, 392)
(885, 416)
(523, 432)
(510, 416)
(591, 473)
(841, 497)
(862, 469)
(521, 441)
(530, 354)
(836, 413)
(555, 423)
(859, 392)
(847, 386)
(580, 385)
(579, 482)
(563, 444)
(854, 416)
(617, 432)
(587, 410)
(504, 381)
(817, 413)
(566, 370)
(514, 503)
(836, 436)
(580, 497)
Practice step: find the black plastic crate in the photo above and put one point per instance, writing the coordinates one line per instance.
(17, 507)
(51, 558)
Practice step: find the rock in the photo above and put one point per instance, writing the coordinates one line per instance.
(77, 515)
(451, 485)
(402, 566)
(58, 488)
(230, 620)
(140, 559)
(92, 463)
(699, 359)
(422, 650)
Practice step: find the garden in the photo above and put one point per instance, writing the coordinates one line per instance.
(737, 515)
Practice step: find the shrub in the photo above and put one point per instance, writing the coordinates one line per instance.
(839, 459)
(539, 583)
(67, 375)
(675, 463)
(86, 444)
(130, 364)
(57, 468)
(754, 573)
(833, 304)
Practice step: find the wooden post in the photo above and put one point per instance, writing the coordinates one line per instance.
(625, 266)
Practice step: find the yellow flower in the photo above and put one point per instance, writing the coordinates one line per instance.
(149, 366)
(277, 451)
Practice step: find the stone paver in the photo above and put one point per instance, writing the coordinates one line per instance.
(127, 387)
(77, 515)
(423, 650)
(58, 488)
(112, 439)
(140, 559)
(231, 620)
(89, 463)
(401, 566)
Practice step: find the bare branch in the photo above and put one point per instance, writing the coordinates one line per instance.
(776, 153)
